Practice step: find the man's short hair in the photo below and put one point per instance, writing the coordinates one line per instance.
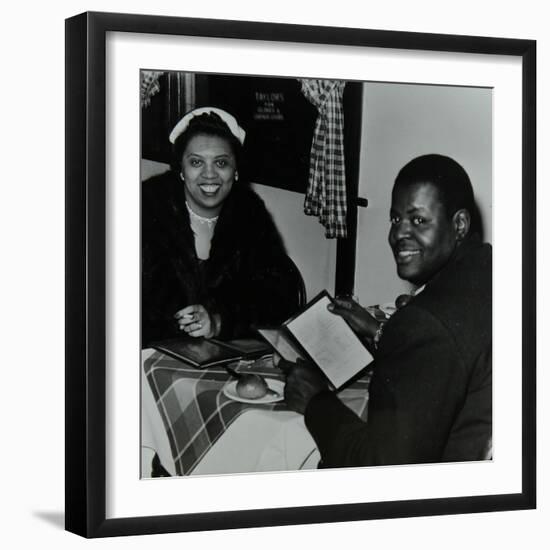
(451, 181)
(444, 173)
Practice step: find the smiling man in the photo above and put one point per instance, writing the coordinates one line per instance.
(431, 389)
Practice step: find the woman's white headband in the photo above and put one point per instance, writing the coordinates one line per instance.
(230, 120)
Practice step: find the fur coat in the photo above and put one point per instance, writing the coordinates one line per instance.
(248, 278)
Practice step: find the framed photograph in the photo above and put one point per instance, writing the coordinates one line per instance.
(155, 444)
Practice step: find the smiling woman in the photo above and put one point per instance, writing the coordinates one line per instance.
(213, 261)
(208, 170)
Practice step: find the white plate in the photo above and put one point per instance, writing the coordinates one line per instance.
(230, 390)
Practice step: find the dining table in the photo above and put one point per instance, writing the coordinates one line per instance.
(194, 425)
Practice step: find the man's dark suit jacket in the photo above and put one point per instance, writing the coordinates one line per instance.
(431, 391)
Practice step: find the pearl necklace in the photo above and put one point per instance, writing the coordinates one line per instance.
(201, 219)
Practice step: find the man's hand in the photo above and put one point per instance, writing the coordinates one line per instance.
(303, 382)
(360, 320)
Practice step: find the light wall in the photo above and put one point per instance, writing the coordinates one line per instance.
(400, 122)
(304, 238)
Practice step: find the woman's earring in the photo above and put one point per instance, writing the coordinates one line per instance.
(236, 176)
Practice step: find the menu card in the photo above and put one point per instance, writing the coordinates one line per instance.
(322, 337)
(202, 353)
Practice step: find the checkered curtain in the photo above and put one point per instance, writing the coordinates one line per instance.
(149, 86)
(326, 192)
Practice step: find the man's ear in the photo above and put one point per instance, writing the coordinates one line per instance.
(462, 221)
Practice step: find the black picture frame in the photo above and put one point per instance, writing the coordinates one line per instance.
(86, 268)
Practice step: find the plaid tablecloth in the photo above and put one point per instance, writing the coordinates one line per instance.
(196, 412)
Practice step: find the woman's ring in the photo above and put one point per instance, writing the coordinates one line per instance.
(199, 325)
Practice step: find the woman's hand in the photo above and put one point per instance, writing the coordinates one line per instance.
(360, 320)
(196, 321)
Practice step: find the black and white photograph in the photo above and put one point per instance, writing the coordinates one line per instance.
(316, 273)
(301, 274)
(275, 275)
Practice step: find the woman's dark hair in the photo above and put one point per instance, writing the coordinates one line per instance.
(209, 124)
(449, 178)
